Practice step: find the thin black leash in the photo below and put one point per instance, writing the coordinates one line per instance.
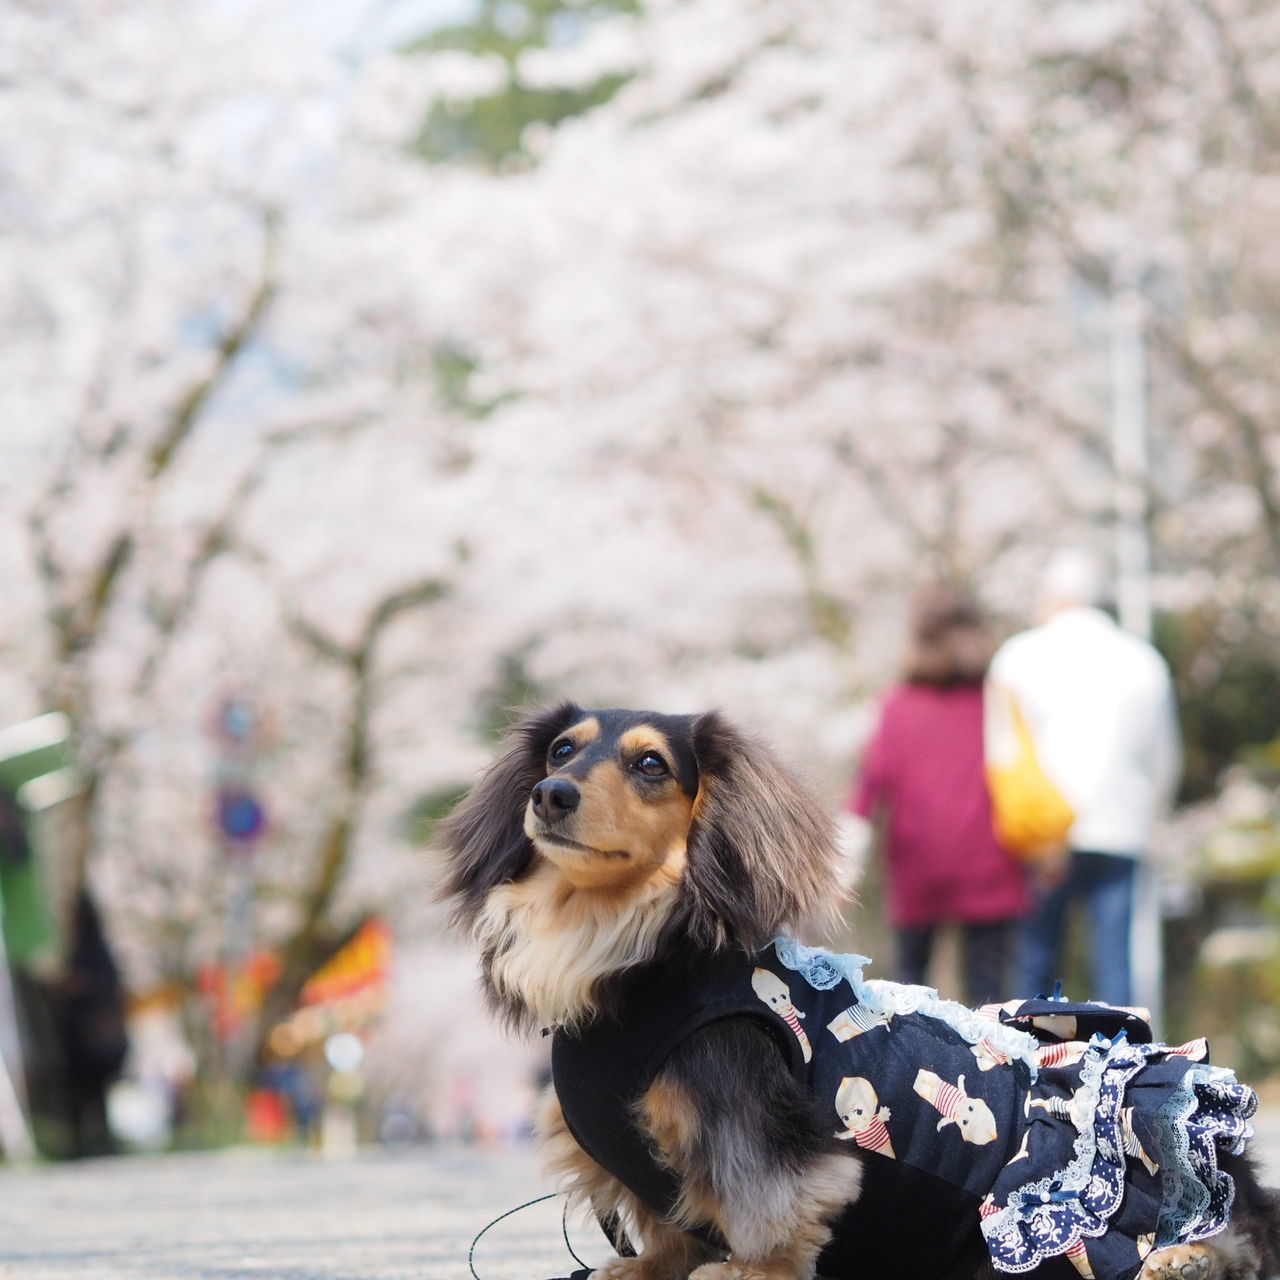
(564, 1228)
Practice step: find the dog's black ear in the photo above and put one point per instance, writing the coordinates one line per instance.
(483, 838)
(762, 851)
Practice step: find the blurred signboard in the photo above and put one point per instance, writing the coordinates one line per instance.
(36, 775)
(362, 965)
(35, 762)
(346, 994)
(239, 815)
(236, 992)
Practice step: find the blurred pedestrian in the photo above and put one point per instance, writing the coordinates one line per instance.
(94, 1035)
(922, 783)
(1099, 704)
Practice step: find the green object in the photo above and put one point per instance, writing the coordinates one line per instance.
(28, 922)
(32, 752)
(489, 129)
(33, 748)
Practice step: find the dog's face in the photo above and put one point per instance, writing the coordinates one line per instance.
(596, 809)
(618, 798)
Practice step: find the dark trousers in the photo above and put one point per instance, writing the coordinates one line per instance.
(1104, 882)
(984, 957)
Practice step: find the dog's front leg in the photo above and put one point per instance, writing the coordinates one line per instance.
(666, 1253)
(786, 1245)
(753, 1151)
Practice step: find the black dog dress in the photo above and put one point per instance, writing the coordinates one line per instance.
(1059, 1127)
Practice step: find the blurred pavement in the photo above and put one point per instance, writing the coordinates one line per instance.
(257, 1213)
(253, 1213)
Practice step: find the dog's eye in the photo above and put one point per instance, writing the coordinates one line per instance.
(652, 765)
(562, 750)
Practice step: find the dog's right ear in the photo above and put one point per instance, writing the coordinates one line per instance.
(483, 838)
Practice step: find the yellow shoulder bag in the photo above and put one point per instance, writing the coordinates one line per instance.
(1032, 817)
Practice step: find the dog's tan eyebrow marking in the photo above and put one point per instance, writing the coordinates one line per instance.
(583, 731)
(644, 738)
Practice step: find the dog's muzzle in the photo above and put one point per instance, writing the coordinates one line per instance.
(554, 799)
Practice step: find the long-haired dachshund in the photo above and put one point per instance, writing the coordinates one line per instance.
(752, 1109)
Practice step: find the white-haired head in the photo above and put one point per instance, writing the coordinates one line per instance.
(1073, 577)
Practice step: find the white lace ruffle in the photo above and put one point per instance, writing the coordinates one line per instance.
(823, 969)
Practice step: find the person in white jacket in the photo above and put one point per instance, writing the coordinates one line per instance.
(1100, 707)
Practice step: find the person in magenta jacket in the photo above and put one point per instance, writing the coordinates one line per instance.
(922, 783)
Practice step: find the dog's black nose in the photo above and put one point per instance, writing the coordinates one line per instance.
(555, 798)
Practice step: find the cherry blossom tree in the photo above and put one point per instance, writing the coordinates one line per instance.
(667, 400)
(175, 348)
(856, 273)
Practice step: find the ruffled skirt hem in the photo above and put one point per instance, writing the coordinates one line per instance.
(1120, 1156)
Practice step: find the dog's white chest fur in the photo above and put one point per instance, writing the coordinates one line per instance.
(552, 944)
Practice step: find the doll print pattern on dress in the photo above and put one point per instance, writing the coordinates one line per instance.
(1110, 1149)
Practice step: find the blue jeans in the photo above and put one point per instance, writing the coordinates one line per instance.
(1105, 882)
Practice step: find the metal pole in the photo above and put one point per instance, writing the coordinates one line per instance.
(1129, 454)
(240, 822)
(1133, 585)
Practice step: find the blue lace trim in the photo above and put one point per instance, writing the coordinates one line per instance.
(1210, 1109)
(1186, 1197)
(1208, 1112)
(824, 969)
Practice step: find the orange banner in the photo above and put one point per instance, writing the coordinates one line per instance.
(361, 966)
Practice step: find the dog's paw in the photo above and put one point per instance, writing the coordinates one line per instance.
(641, 1268)
(624, 1269)
(1182, 1262)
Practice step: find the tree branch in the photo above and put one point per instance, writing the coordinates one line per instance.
(309, 943)
(1251, 432)
(1243, 93)
(218, 538)
(828, 614)
(189, 407)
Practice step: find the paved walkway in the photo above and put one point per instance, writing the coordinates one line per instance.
(257, 1215)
